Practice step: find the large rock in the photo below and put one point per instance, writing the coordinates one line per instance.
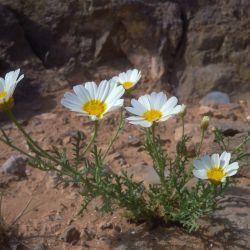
(216, 55)
(201, 46)
(131, 32)
(215, 98)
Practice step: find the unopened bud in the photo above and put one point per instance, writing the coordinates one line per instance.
(204, 122)
(183, 110)
(214, 129)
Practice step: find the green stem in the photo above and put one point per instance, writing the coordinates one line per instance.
(17, 149)
(37, 148)
(246, 139)
(201, 142)
(92, 138)
(182, 123)
(153, 131)
(119, 128)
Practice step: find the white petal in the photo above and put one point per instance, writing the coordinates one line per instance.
(231, 172)
(224, 159)
(177, 109)
(103, 90)
(142, 123)
(116, 105)
(215, 160)
(231, 167)
(164, 118)
(134, 111)
(92, 89)
(81, 93)
(2, 84)
(144, 100)
(161, 99)
(135, 118)
(123, 78)
(115, 79)
(71, 99)
(199, 164)
(201, 174)
(169, 105)
(138, 106)
(115, 94)
(207, 161)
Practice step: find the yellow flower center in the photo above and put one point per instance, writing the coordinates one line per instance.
(95, 107)
(152, 115)
(127, 85)
(215, 174)
(3, 94)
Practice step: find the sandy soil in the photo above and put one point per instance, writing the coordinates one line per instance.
(53, 209)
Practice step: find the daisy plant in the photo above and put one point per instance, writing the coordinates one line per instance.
(173, 199)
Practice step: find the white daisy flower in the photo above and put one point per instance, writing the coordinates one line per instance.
(7, 88)
(128, 79)
(152, 108)
(94, 101)
(215, 168)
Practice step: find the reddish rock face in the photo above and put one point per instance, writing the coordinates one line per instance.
(193, 47)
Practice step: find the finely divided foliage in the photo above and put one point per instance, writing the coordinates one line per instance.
(172, 200)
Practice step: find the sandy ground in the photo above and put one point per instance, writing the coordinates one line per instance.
(53, 209)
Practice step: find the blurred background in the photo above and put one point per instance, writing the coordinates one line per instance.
(187, 47)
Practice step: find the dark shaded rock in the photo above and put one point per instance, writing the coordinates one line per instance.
(230, 128)
(233, 215)
(15, 245)
(90, 233)
(40, 246)
(71, 234)
(107, 225)
(122, 247)
(15, 165)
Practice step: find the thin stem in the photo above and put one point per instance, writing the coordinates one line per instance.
(119, 128)
(16, 148)
(92, 138)
(201, 142)
(38, 150)
(36, 147)
(183, 129)
(153, 131)
(23, 211)
(242, 143)
(13, 119)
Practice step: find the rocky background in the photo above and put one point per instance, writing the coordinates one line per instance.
(191, 47)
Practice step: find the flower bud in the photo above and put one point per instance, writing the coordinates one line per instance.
(183, 110)
(204, 122)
